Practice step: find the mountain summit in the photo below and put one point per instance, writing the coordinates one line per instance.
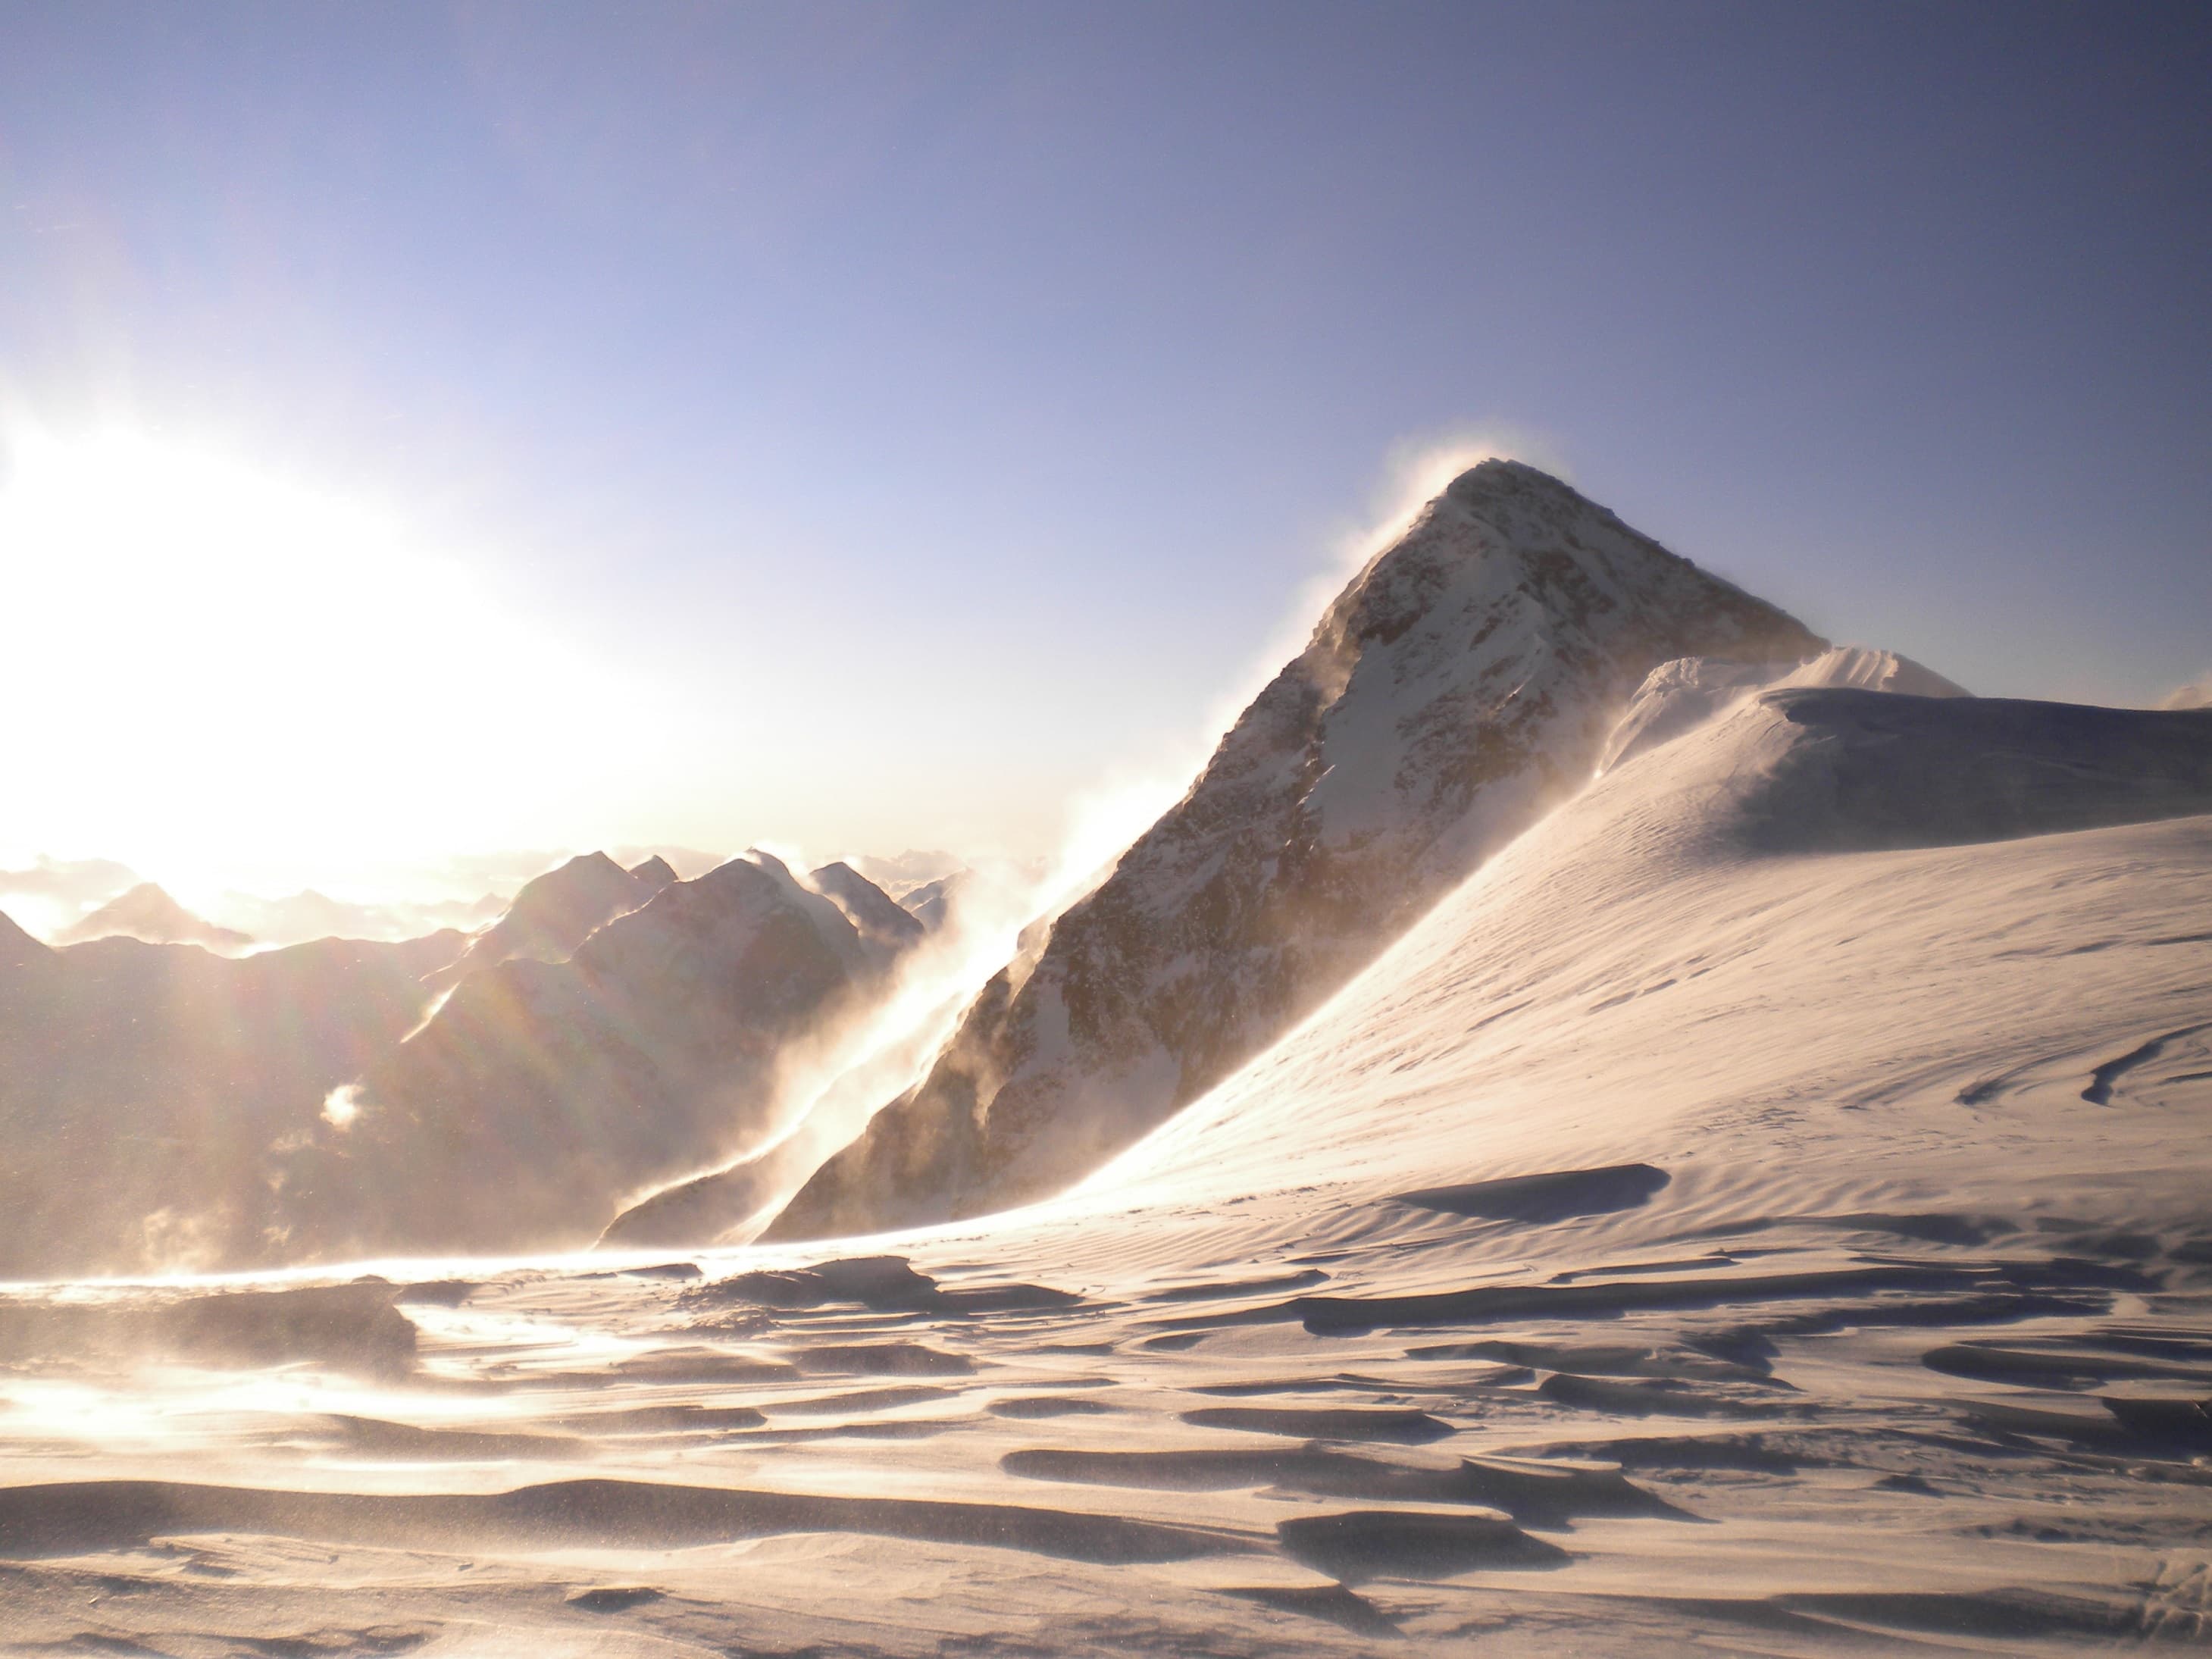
(146, 913)
(556, 912)
(1463, 684)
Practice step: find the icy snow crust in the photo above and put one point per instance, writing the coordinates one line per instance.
(1463, 684)
(1749, 1215)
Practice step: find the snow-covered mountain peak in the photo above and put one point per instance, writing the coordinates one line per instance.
(1431, 675)
(1462, 683)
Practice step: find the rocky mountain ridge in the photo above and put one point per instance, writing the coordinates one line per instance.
(651, 1050)
(555, 912)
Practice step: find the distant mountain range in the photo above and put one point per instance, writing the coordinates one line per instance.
(167, 1104)
(309, 915)
(651, 1049)
(900, 875)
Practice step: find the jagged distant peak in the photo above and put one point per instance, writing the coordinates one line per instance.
(871, 909)
(745, 892)
(552, 916)
(588, 877)
(656, 870)
(148, 913)
(646, 1053)
(929, 902)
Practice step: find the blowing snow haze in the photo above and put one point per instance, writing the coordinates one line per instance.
(1299, 1037)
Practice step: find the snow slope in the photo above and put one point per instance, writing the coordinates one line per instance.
(1460, 686)
(1749, 1215)
(1830, 912)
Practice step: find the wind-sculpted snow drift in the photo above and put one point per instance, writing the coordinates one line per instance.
(1463, 685)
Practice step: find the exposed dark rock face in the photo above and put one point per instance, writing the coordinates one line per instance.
(1463, 684)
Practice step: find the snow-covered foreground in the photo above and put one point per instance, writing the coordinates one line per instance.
(1757, 1213)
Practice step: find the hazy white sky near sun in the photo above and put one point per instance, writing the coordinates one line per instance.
(231, 672)
(427, 429)
(248, 680)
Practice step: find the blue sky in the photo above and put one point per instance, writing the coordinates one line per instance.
(920, 418)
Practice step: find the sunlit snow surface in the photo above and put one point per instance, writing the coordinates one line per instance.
(1872, 1312)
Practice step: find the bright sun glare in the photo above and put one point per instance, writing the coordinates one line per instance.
(225, 676)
